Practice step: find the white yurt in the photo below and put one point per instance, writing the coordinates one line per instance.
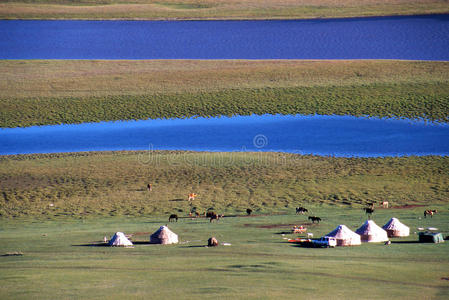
(345, 236)
(119, 239)
(395, 228)
(164, 236)
(372, 233)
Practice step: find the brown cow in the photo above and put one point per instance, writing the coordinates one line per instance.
(430, 212)
(192, 196)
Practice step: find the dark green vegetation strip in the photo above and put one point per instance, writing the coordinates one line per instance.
(114, 183)
(414, 101)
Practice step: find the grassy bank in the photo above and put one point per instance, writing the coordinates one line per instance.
(114, 183)
(54, 92)
(59, 262)
(214, 9)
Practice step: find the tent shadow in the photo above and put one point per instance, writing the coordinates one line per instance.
(405, 242)
(142, 243)
(92, 245)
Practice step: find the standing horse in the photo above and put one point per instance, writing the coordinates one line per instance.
(173, 217)
(192, 196)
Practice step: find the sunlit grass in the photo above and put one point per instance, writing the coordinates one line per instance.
(58, 261)
(114, 183)
(54, 92)
(213, 9)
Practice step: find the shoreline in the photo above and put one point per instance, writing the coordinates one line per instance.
(325, 18)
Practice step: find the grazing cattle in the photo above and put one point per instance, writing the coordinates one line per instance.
(249, 211)
(301, 210)
(384, 204)
(209, 214)
(214, 216)
(212, 242)
(173, 217)
(149, 187)
(313, 219)
(192, 196)
(194, 214)
(369, 211)
(430, 212)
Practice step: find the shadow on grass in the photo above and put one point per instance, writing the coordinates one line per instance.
(284, 232)
(405, 242)
(177, 200)
(92, 245)
(143, 243)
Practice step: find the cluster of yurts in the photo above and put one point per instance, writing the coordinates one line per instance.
(369, 232)
(162, 236)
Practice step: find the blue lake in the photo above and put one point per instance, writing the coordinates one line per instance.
(410, 37)
(321, 135)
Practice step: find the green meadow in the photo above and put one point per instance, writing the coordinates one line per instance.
(55, 209)
(60, 260)
(55, 92)
(95, 184)
(214, 9)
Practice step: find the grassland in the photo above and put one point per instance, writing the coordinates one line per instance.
(59, 263)
(54, 92)
(214, 9)
(114, 183)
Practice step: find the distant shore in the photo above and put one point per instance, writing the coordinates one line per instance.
(214, 9)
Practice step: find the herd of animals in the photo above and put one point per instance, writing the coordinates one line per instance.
(369, 210)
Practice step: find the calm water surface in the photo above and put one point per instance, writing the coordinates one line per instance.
(410, 37)
(323, 135)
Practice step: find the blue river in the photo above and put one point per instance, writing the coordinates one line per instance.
(321, 135)
(408, 37)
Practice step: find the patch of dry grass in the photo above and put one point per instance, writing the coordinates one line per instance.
(213, 9)
(66, 78)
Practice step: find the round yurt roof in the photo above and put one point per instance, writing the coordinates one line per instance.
(345, 234)
(164, 236)
(395, 228)
(119, 239)
(371, 232)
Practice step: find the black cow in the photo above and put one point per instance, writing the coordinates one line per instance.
(173, 217)
(313, 219)
(301, 210)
